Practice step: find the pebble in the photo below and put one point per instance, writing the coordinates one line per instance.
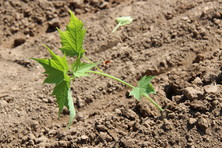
(79, 116)
(197, 81)
(210, 88)
(118, 111)
(106, 137)
(63, 143)
(130, 114)
(202, 123)
(84, 138)
(101, 128)
(192, 121)
(192, 93)
(3, 103)
(80, 102)
(199, 105)
(54, 23)
(127, 143)
(34, 125)
(40, 140)
(167, 125)
(50, 100)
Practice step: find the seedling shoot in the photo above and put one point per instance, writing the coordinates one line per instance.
(61, 73)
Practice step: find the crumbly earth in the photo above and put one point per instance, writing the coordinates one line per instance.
(178, 41)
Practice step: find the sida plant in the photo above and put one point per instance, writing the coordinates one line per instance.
(61, 73)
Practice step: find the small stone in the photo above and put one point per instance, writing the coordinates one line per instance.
(105, 137)
(176, 98)
(215, 102)
(118, 111)
(40, 140)
(101, 128)
(34, 125)
(50, 100)
(80, 116)
(3, 103)
(197, 81)
(199, 105)
(192, 121)
(127, 143)
(202, 123)
(30, 142)
(167, 125)
(45, 100)
(83, 139)
(114, 135)
(31, 136)
(77, 3)
(104, 5)
(63, 143)
(80, 103)
(192, 93)
(130, 114)
(171, 115)
(210, 88)
(53, 24)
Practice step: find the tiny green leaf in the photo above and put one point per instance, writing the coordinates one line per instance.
(144, 88)
(72, 38)
(124, 20)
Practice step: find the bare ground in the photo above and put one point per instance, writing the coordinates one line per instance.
(178, 41)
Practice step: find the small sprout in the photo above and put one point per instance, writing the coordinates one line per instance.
(122, 21)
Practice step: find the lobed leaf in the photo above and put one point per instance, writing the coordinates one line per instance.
(57, 68)
(144, 88)
(72, 38)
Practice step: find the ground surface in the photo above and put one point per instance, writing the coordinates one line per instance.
(178, 41)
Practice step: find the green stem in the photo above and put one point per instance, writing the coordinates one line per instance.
(112, 77)
(117, 26)
(91, 62)
(154, 103)
(127, 84)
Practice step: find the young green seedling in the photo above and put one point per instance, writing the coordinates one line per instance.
(122, 21)
(61, 73)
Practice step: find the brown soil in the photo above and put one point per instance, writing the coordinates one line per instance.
(178, 41)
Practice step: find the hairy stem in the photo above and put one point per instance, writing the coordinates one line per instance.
(112, 77)
(154, 103)
(127, 84)
(117, 26)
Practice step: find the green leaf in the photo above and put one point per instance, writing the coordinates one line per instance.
(72, 38)
(124, 20)
(144, 88)
(80, 69)
(70, 106)
(56, 67)
(61, 93)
